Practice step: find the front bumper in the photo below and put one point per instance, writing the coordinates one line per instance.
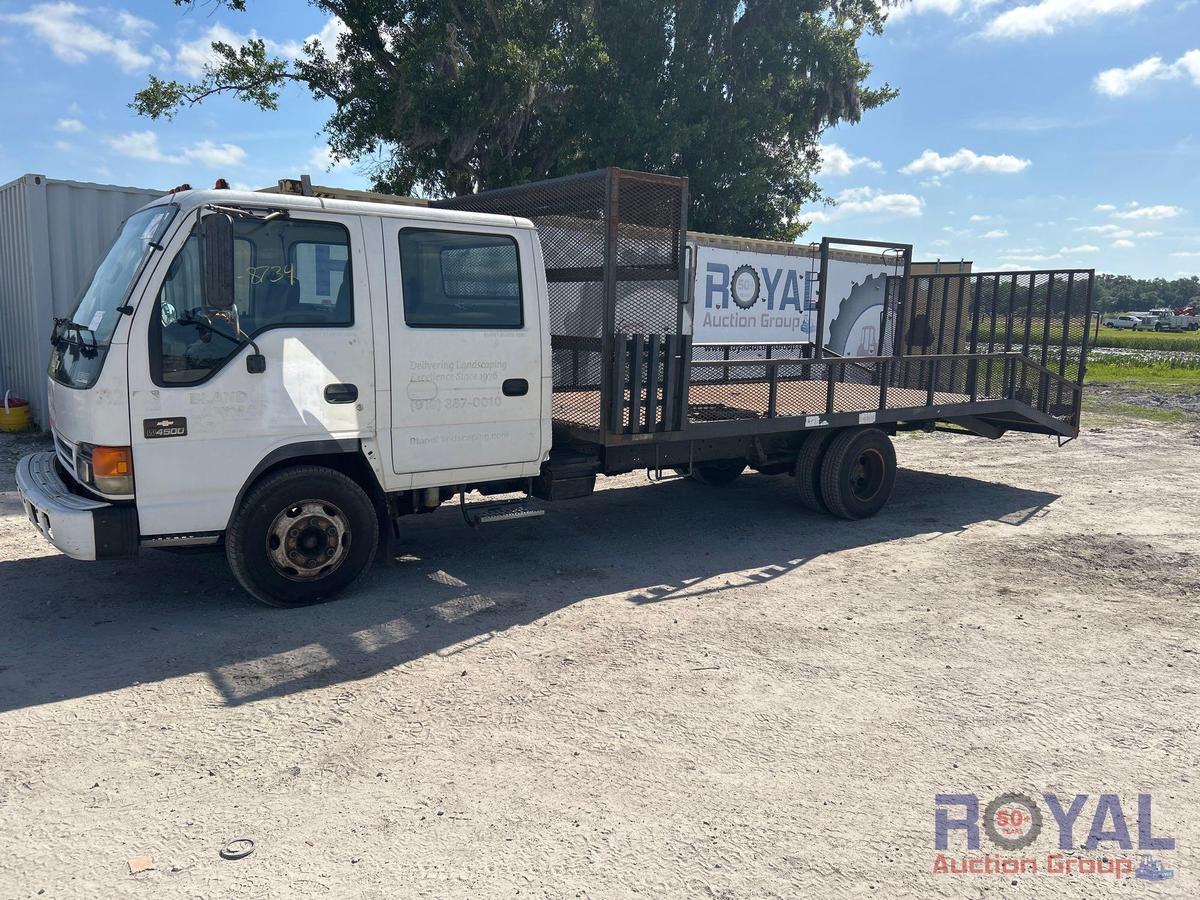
(81, 527)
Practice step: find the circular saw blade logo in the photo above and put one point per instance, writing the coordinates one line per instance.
(744, 287)
(854, 330)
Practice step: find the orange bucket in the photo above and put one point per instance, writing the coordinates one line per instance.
(14, 414)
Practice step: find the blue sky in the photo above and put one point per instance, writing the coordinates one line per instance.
(1031, 134)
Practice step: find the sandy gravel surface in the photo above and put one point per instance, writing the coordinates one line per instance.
(664, 690)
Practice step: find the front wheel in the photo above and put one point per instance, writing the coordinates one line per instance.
(716, 472)
(301, 536)
(858, 473)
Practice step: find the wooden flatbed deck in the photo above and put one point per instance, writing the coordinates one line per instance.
(716, 402)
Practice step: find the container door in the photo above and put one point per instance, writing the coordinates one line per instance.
(466, 352)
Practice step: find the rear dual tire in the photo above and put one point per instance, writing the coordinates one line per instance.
(849, 473)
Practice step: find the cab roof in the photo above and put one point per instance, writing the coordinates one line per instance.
(192, 199)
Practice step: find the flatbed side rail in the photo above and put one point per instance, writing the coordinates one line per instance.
(770, 389)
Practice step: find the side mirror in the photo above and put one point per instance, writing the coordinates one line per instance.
(216, 262)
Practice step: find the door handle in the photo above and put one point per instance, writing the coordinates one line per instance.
(515, 387)
(341, 393)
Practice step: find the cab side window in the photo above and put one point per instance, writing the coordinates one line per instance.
(287, 273)
(453, 279)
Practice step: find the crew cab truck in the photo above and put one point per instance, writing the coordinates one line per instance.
(293, 376)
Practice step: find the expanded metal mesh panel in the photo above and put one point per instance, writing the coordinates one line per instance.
(612, 243)
(1042, 316)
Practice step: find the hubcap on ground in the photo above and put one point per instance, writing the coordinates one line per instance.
(308, 540)
(866, 477)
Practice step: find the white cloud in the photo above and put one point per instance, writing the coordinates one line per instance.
(193, 56)
(1036, 256)
(139, 145)
(322, 158)
(1186, 253)
(1047, 16)
(133, 25)
(996, 233)
(946, 7)
(214, 155)
(69, 126)
(1104, 207)
(978, 218)
(1121, 82)
(327, 37)
(63, 27)
(965, 160)
(865, 201)
(143, 145)
(1149, 212)
(1123, 244)
(836, 162)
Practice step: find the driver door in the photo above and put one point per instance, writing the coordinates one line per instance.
(200, 421)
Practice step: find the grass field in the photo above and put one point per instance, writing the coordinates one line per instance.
(1162, 374)
(1184, 341)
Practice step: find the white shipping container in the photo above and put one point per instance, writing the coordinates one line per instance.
(53, 234)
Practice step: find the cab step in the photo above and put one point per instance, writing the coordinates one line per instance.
(476, 514)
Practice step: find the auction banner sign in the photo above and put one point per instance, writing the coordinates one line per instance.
(757, 297)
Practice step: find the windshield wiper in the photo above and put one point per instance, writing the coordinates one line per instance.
(60, 340)
(253, 364)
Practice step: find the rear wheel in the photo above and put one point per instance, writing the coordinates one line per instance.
(301, 536)
(808, 469)
(716, 471)
(858, 473)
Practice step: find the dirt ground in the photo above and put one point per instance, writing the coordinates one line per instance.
(665, 690)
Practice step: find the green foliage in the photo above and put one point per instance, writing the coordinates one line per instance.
(455, 97)
(1170, 373)
(1179, 341)
(1123, 293)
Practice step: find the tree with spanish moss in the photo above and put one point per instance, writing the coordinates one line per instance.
(446, 97)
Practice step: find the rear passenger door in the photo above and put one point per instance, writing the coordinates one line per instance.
(466, 352)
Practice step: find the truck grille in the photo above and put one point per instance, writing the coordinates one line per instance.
(66, 453)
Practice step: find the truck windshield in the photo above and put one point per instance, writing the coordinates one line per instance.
(109, 288)
(81, 341)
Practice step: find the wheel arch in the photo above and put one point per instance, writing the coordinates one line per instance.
(345, 456)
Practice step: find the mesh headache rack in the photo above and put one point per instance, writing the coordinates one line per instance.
(991, 351)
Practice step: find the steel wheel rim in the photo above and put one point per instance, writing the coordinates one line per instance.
(308, 540)
(866, 475)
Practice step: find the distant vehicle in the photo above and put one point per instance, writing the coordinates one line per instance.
(1125, 320)
(1147, 321)
(1169, 321)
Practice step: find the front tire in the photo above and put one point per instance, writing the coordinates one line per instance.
(301, 536)
(858, 473)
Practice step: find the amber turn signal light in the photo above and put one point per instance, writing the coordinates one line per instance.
(111, 462)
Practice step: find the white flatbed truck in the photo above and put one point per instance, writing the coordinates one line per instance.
(292, 377)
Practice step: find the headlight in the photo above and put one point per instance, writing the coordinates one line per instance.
(108, 469)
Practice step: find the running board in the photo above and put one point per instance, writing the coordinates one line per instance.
(476, 514)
